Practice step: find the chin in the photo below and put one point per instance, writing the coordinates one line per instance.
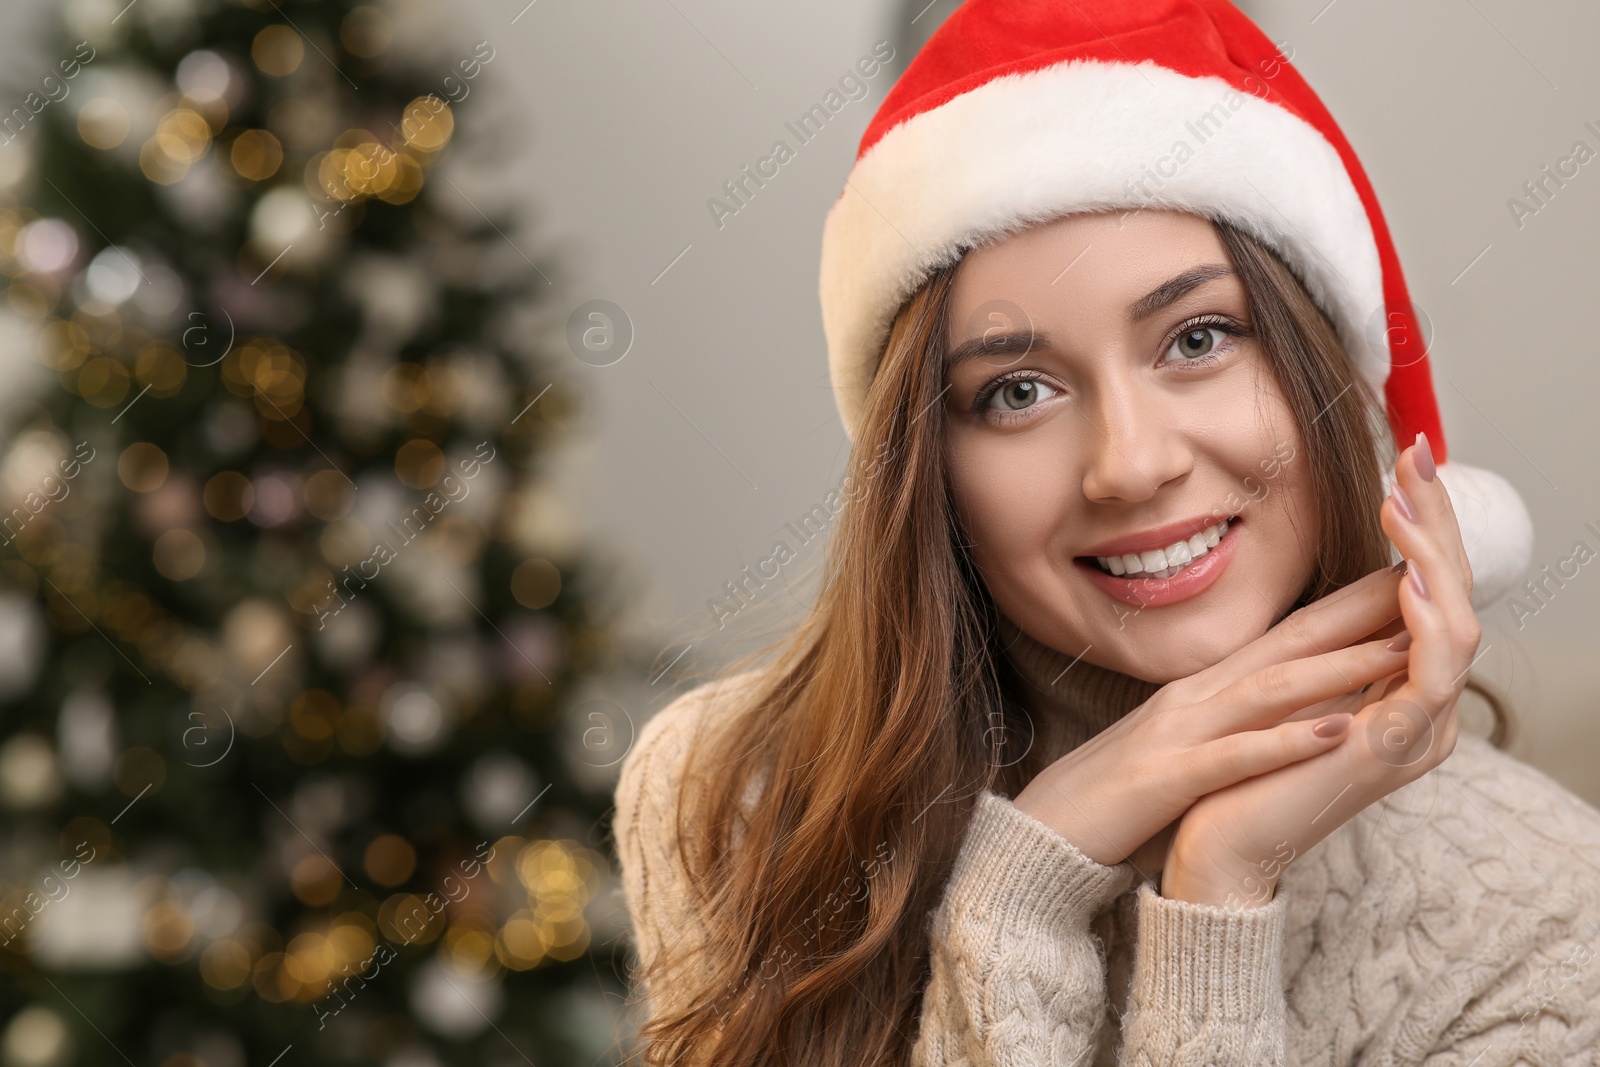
(1171, 668)
(1165, 644)
(1136, 658)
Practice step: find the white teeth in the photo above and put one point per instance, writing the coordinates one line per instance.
(1165, 562)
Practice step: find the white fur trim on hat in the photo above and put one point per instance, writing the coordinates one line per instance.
(1022, 149)
(1025, 148)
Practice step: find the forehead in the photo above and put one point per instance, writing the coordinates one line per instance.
(1096, 265)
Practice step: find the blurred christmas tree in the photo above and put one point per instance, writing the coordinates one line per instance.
(290, 619)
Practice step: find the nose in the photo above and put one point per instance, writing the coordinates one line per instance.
(1133, 445)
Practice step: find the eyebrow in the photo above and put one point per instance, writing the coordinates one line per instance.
(1020, 342)
(1174, 289)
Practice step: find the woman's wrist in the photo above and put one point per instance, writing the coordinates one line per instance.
(1030, 800)
(1181, 881)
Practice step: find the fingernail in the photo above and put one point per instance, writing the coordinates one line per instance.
(1424, 459)
(1403, 502)
(1415, 573)
(1401, 642)
(1333, 725)
(1398, 567)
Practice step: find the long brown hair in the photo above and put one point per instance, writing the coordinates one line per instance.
(876, 723)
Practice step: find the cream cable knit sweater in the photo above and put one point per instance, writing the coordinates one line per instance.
(1455, 923)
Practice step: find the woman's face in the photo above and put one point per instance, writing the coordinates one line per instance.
(1126, 469)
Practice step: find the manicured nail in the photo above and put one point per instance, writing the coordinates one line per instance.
(1403, 502)
(1333, 725)
(1424, 458)
(1398, 567)
(1400, 642)
(1415, 573)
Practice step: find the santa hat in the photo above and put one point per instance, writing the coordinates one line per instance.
(1019, 111)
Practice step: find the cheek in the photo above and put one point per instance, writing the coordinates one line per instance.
(1299, 508)
(1248, 436)
(1278, 499)
(1012, 502)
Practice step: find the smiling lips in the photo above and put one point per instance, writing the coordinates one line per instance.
(1191, 556)
(1164, 562)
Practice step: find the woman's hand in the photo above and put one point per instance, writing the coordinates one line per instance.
(1232, 845)
(1221, 726)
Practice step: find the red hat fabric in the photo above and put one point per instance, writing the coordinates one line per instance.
(1019, 111)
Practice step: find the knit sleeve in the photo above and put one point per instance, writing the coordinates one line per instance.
(1207, 985)
(1017, 976)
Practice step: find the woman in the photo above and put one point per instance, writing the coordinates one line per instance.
(1112, 736)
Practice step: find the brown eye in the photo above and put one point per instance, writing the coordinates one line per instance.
(1194, 343)
(1199, 342)
(1019, 394)
(1013, 394)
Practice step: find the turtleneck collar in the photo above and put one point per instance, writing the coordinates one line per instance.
(1069, 698)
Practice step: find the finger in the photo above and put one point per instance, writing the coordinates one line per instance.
(1336, 621)
(1443, 576)
(1237, 757)
(1278, 689)
(1442, 647)
(1392, 628)
(1415, 472)
(1352, 702)
(1381, 689)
